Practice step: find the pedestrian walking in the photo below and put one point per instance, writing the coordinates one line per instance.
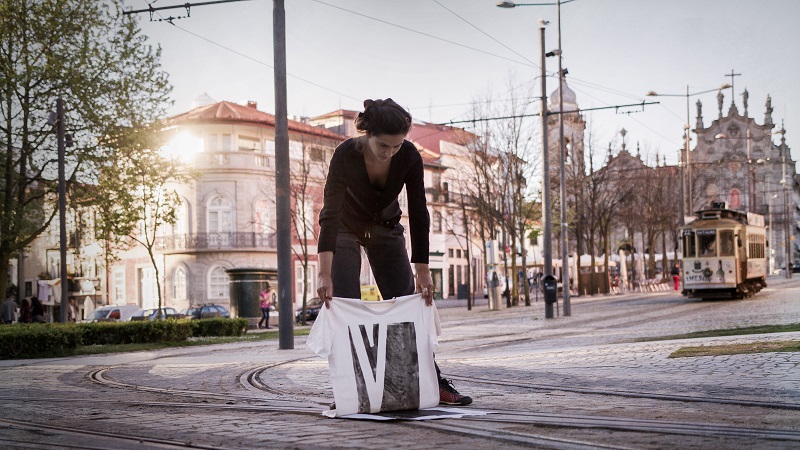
(264, 304)
(361, 210)
(676, 276)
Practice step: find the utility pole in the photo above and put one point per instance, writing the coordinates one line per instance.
(547, 244)
(62, 207)
(563, 193)
(282, 181)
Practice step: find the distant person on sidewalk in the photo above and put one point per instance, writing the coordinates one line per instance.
(361, 210)
(37, 310)
(25, 311)
(265, 304)
(676, 276)
(8, 311)
(72, 311)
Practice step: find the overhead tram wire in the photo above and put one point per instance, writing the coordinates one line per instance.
(426, 34)
(518, 116)
(594, 85)
(484, 33)
(631, 117)
(236, 52)
(150, 8)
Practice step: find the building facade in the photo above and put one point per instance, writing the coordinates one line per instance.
(736, 160)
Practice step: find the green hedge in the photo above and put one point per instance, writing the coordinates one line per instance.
(53, 340)
(139, 332)
(31, 340)
(218, 327)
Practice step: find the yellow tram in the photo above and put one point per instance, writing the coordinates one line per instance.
(724, 254)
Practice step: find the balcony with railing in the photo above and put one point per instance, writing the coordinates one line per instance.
(181, 243)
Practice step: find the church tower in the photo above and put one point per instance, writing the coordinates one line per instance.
(574, 127)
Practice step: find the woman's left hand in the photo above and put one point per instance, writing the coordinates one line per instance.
(425, 283)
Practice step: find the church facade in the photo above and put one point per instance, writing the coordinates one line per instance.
(736, 160)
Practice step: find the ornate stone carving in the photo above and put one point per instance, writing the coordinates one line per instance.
(745, 96)
(768, 115)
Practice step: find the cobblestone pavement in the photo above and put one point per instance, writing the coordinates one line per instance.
(544, 377)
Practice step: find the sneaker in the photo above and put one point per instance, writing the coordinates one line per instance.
(448, 395)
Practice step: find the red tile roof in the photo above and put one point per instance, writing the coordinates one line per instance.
(345, 113)
(226, 112)
(428, 136)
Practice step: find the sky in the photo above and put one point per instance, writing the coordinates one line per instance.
(435, 57)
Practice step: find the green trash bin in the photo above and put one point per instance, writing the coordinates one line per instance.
(246, 284)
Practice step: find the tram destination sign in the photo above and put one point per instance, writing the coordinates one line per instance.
(689, 232)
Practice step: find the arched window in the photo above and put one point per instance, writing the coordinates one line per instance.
(220, 221)
(220, 215)
(179, 284)
(218, 289)
(181, 225)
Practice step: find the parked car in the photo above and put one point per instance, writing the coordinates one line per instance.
(112, 313)
(796, 267)
(312, 310)
(205, 312)
(152, 314)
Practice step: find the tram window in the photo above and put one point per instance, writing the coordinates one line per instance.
(689, 248)
(707, 244)
(726, 243)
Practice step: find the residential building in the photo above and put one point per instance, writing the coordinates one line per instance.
(227, 216)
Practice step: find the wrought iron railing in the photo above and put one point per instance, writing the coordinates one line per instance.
(213, 241)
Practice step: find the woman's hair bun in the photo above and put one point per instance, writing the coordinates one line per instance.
(383, 116)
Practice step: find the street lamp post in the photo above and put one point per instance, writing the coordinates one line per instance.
(771, 260)
(547, 243)
(686, 173)
(786, 221)
(562, 154)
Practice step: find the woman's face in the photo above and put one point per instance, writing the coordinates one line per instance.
(384, 146)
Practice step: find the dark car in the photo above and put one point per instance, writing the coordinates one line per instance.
(205, 312)
(152, 314)
(796, 267)
(312, 310)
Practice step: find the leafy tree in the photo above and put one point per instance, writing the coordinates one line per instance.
(135, 197)
(100, 64)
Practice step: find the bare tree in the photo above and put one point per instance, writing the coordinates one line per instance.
(511, 141)
(307, 180)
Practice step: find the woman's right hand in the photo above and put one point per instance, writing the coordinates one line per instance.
(325, 289)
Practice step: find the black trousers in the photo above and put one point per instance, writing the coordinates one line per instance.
(386, 251)
(388, 258)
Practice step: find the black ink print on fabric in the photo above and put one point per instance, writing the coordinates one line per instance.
(401, 389)
(401, 386)
(361, 385)
(372, 351)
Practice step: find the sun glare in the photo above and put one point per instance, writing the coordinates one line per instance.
(183, 146)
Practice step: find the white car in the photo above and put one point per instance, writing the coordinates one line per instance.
(112, 313)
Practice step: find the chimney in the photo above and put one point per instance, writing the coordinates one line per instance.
(252, 104)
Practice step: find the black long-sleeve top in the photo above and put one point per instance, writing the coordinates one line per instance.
(351, 201)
